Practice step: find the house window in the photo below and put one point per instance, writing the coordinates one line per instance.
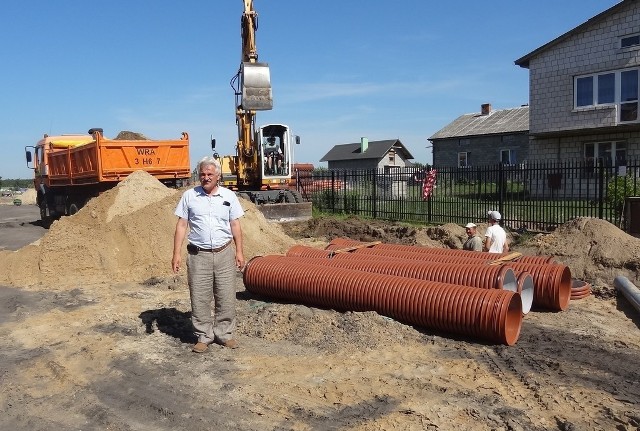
(606, 153)
(584, 91)
(629, 41)
(392, 157)
(629, 95)
(507, 157)
(606, 88)
(618, 87)
(463, 159)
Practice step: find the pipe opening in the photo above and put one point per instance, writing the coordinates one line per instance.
(525, 285)
(513, 321)
(509, 280)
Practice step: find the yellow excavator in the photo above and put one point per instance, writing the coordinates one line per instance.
(262, 168)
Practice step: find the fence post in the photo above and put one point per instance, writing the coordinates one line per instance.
(501, 188)
(601, 190)
(374, 209)
(333, 191)
(344, 191)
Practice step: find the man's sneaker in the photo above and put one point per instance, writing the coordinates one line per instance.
(199, 347)
(230, 344)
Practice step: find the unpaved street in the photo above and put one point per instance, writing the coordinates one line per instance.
(96, 336)
(19, 226)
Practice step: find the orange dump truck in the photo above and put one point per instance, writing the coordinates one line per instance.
(71, 169)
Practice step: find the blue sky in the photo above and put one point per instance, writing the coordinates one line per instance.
(340, 69)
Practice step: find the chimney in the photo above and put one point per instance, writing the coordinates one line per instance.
(364, 144)
(485, 109)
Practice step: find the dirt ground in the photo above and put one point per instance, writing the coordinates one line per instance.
(95, 335)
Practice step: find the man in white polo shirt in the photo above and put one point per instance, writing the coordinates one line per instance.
(211, 213)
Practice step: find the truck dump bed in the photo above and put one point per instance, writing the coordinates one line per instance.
(96, 159)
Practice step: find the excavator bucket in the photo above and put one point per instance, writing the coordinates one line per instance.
(256, 87)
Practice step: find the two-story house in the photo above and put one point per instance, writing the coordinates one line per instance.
(485, 138)
(583, 90)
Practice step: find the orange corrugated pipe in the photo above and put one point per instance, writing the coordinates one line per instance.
(580, 289)
(338, 243)
(481, 276)
(551, 284)
(491, 314)
(552, 281)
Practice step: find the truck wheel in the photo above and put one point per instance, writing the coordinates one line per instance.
(45, 219)
(73, 208)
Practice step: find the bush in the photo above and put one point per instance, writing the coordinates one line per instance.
(351, 203)
(323, 200)
(345, 202)
(618, 189)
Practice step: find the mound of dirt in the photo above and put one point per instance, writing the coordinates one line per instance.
(125, 234)
(136, 192)
(594, 249)
(325, 228)
(130, 136)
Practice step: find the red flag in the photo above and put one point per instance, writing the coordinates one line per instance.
(427, 184)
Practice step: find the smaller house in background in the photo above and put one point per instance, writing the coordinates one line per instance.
(486, 138)
(388, 154)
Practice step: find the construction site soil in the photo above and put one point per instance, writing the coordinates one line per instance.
(95, 334)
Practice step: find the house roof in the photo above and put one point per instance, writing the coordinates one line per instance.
(524, 61)
(496, 122)
(375, 150)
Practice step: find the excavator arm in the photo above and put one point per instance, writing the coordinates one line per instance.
(261, 170)
(252, 86)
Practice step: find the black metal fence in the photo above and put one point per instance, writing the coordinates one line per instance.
(531, 196)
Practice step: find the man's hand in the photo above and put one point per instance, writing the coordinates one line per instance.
(175, 263)
(240, 262)
(178, 238)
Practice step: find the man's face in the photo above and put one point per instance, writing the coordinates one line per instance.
(471, 231)
(209, 178)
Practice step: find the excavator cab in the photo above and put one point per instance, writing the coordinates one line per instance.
(275, 151)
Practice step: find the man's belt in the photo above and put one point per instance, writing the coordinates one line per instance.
(195, 249)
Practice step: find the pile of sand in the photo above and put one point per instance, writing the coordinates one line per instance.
(135, 193)
(28, 197)
(125, 234)
(594, 249)
(130, 136)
